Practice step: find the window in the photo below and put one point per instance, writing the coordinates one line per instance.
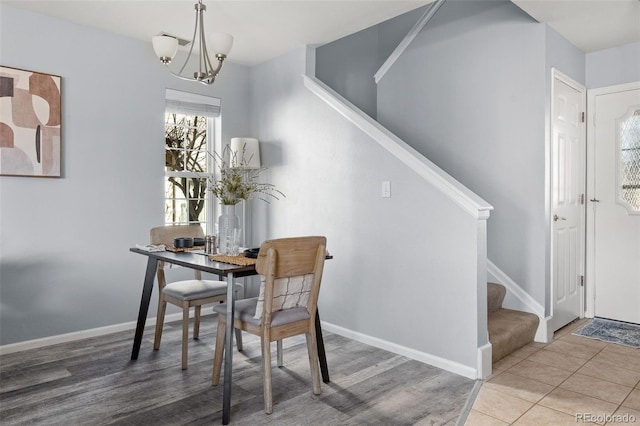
(192, 124)
(628, 173)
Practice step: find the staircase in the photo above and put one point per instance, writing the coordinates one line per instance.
(465, 199)
(509, 330)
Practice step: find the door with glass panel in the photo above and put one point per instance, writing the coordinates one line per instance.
(614, 198)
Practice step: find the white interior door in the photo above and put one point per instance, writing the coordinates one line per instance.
(614, 194)
(568, 151)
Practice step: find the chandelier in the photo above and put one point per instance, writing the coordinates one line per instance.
(166, 47)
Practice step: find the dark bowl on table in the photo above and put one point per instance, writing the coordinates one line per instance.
(198, 241)
(183, 242)
(252, 253)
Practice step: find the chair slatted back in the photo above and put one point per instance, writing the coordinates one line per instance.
(296, 256)
(291, 257)
(165, 235)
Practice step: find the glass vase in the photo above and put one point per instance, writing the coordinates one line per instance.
(228, 228)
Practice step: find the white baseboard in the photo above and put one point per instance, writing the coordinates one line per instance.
(543, 334)
(485, 365)
(445, 364)
(484, 353)
(83, 334)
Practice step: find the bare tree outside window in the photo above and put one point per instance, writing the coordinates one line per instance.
(186, 168)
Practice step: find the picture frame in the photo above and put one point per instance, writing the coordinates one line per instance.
(30, 123)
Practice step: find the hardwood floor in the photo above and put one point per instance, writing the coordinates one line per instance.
(93, 382)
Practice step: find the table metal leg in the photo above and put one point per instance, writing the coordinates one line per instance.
(322, 356)
(228, 349)
(152, 265)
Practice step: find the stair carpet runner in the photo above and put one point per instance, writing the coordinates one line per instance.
(509, 330)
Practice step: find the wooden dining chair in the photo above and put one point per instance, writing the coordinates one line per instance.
(291, 270)
(187, 293)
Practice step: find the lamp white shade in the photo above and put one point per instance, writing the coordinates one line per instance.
(221, 43)
(165, 46)
(245, 153)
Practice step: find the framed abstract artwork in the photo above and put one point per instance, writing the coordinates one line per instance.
(30, 123)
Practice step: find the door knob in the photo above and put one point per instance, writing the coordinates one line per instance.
(593, 200)
(557, 218)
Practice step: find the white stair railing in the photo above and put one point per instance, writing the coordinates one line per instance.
(460, 194)
(406, 41)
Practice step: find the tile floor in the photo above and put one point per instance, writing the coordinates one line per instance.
(569, 381)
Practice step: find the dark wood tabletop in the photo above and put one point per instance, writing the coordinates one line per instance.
(199, 261)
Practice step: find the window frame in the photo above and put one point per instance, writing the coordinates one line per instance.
(213, 145)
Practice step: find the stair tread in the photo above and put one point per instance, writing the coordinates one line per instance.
(495, 296)
(509, 330)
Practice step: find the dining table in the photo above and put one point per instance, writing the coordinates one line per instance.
(225, 271)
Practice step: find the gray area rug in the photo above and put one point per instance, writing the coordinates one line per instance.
(606, 330)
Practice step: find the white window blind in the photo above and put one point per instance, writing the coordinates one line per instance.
(191, 104)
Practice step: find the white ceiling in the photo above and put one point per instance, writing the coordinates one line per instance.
(589, 24)
(264, 29)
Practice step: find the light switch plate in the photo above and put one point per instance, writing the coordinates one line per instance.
(386, 189)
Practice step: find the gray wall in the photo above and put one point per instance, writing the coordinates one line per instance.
(349, 64)
(486, 121)
(405, 267)
(469, 94)
(563, 56)
(613, 66)
(64, 259)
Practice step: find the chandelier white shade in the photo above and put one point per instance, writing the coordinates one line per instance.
(166, 47)
(245, 153)
(221, 43)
